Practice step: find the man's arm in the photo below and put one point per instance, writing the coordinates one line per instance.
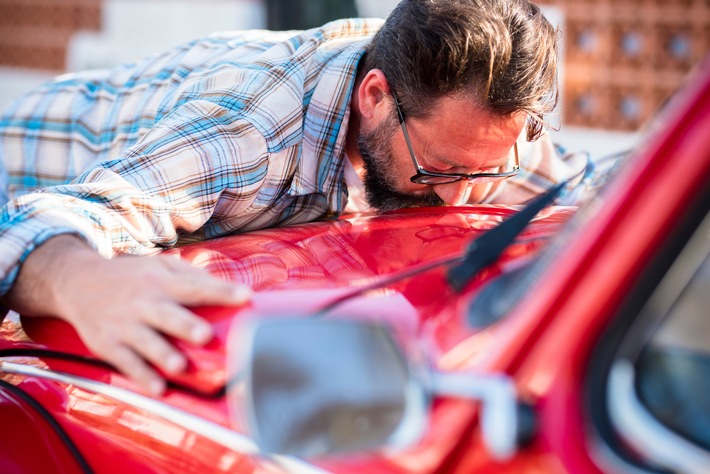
(122, 307)
(196, 166)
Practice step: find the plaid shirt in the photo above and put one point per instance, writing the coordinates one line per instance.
(233, 132)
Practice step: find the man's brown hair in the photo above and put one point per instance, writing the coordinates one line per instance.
(501, 53)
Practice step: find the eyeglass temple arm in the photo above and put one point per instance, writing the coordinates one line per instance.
(407, 140)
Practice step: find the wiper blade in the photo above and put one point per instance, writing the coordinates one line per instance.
(469, 264)
(487, 248)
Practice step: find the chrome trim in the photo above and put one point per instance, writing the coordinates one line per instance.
(643, 432)
(416, 408)
(212, 431)
(499, 414)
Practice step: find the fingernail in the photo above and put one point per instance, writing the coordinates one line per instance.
(201, 333)
(241, 293)
(175, 363)
(157, 387)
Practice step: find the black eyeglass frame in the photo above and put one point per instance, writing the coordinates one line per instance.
(424, 176)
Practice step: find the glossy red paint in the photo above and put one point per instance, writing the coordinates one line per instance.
(545, 343)
(24, 435)
(301, 267)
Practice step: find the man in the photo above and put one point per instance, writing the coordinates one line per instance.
(243, 131)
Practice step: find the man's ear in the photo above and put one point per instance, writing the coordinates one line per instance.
(372, 95)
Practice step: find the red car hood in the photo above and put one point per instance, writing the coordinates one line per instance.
(298, 270)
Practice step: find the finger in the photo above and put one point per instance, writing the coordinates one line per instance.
(193, 286)
(175, 263)
(132, 366)
(153, 347)
(231, 295)
(179, 322)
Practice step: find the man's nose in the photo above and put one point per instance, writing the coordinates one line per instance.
(453, 194)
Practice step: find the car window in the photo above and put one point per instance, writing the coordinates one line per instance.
(658, 384)
(673, 372)
(501, 295)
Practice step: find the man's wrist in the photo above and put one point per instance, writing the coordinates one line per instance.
(37, 289)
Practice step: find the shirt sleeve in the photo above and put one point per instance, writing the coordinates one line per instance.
(170, 183)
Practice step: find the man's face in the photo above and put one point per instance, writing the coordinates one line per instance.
(443, 142)
(381, 181)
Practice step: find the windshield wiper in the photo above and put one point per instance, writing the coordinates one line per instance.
(479, 254)
(487, 248)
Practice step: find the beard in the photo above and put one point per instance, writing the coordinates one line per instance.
(376, 150)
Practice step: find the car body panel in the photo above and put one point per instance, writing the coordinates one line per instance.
(26, 434)
(306, 267)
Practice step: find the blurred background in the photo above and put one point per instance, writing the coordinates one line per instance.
(621, 58)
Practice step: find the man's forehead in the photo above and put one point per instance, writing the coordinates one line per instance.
(463, 107)
(465, 124)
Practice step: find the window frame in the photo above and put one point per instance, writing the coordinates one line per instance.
(622, 341)
(634, 423)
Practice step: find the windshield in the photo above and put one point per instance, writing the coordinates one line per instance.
(603, 175)
(501, 295)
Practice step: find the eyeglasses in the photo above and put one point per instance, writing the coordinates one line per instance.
(432, 178)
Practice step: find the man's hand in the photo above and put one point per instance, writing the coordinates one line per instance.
(123, 307)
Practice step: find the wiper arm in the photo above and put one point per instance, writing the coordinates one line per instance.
(480, 253)
(487, 248)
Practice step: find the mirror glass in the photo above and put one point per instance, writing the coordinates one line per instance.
(319, 387)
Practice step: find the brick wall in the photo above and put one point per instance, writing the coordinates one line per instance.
(35, 33)
(624, 58)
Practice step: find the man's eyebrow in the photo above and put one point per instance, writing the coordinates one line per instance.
(445, 159)
(450, 161)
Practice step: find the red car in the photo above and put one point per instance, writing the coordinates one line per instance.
(447, 340)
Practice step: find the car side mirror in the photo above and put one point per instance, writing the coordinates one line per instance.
(311, 387)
